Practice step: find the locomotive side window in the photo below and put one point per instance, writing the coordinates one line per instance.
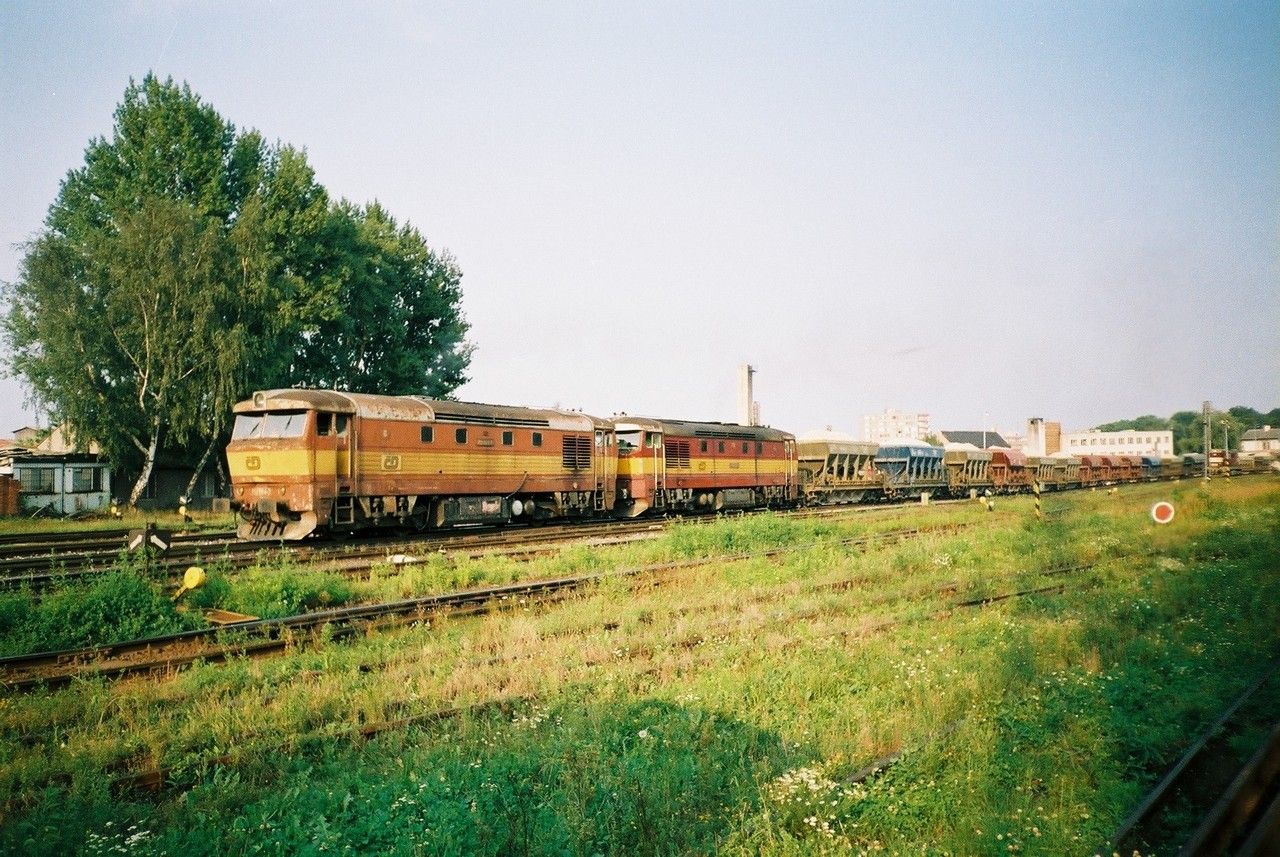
(460, 435)
(428, 434)
(508, 438)
(537, 438)
(744, 447)
(341, 423)
(702, 446)
(759, 447)
(324, 424)
(720, 445)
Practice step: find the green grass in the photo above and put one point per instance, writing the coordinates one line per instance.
(129, 519)
(720, 709)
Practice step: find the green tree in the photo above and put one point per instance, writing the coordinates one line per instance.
(401, 330)
(185, 264)
(1147, 422)
(94, 328)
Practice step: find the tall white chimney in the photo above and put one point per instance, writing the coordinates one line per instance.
(746, 404)
(1035, 444)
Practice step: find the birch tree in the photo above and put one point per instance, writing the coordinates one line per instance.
(186, 264)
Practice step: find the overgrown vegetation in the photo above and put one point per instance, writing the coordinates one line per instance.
(121, 604)
(727, 709)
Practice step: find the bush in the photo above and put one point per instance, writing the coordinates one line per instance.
(116, 606)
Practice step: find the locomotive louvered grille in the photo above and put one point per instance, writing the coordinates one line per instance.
(739, 435)
(479, 419)
(676, 453)
(575, 452)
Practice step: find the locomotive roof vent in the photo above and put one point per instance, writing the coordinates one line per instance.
(260, 399)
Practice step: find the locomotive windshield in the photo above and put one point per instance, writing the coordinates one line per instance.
(629, 440)
(253, 426)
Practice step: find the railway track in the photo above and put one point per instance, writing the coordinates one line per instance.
(145, 776)
(164, 654)
(22, 565)
(1239, 805)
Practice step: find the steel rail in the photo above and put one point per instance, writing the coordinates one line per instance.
(55, 668)
(1175, 775)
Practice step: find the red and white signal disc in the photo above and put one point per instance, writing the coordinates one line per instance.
(1162, 512)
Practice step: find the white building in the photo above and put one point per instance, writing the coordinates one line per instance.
(1129, 442)
(62, 484)
(892, 425)
(1265, 439)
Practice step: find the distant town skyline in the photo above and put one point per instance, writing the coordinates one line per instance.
(1060, 211)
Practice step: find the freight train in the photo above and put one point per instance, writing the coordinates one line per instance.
(306, 461)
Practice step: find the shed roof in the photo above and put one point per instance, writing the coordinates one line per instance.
(980, 439)
(1264, 433)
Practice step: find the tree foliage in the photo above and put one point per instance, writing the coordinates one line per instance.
(185, 264)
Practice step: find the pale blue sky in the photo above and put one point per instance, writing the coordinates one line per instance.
(1060, 210)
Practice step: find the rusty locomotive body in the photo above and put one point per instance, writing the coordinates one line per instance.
(302, 460)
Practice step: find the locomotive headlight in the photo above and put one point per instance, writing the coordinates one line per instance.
(517, 508)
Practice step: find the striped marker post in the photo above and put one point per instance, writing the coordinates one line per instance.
(1039, 516)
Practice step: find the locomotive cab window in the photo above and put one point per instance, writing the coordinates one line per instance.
(428, 434)
(341, 423)
(629, 440)
(324, 424)
(250, 426)
(460, 435)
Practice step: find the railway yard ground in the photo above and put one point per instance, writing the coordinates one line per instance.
(895, 680)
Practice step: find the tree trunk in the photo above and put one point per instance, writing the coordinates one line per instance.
(149, 461)
(224, 483)
(204, 459)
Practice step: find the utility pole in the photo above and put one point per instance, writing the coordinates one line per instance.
(1208, 407)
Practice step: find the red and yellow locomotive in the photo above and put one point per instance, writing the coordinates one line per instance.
(675, 465)
(303, 460)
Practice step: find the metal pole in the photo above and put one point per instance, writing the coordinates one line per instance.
(1226, 452)
(1207, 442)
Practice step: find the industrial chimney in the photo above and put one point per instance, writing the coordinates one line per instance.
(747, 406)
